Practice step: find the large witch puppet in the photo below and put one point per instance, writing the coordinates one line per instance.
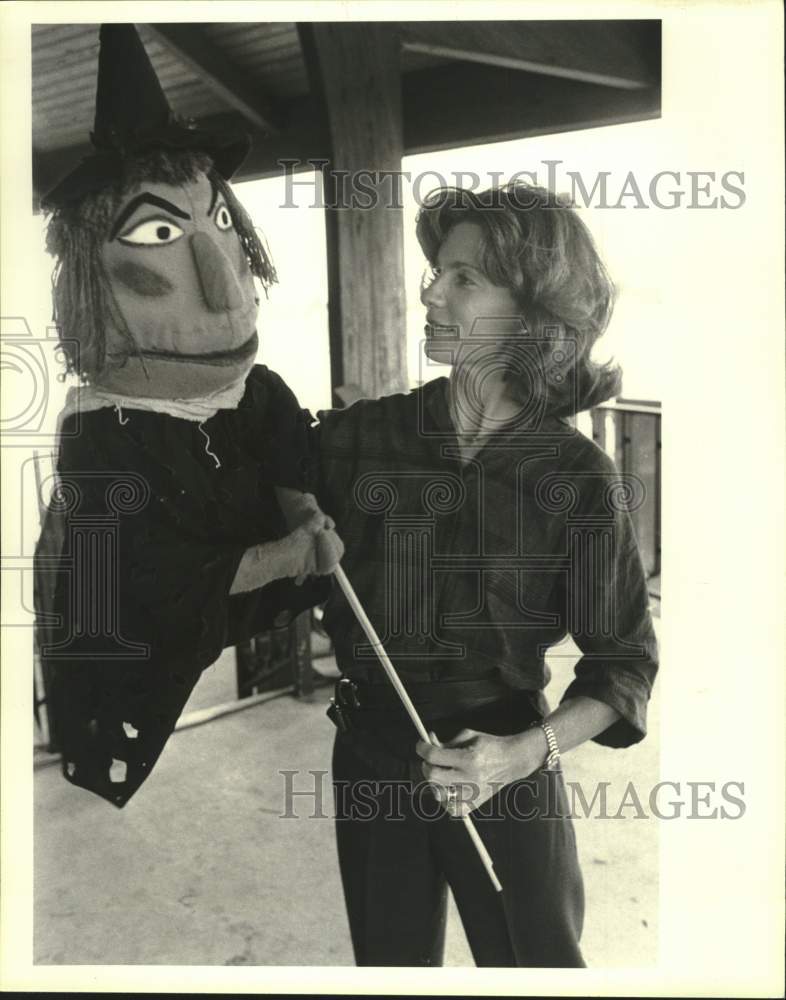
(181, 522)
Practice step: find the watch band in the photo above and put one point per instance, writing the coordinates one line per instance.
(552, 757)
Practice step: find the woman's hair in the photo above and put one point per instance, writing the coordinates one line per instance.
(535, 245)
(77, 230)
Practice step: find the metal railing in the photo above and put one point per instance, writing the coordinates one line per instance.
(629, 431)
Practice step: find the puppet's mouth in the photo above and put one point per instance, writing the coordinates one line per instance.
(242, 353)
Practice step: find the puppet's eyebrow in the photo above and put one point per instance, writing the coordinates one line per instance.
(146, 198)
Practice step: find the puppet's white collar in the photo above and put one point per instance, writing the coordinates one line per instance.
(89, 397)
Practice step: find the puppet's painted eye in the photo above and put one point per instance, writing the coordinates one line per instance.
(223, 218)
(152, 233)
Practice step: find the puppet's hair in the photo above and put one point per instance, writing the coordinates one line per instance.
(81, 294)
(251, 239)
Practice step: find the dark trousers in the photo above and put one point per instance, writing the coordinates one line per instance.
(398, 852)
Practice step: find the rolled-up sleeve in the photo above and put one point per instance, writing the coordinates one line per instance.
(607, 606)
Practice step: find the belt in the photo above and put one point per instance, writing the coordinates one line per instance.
(423, 674)
(372, 721)
(352, 702)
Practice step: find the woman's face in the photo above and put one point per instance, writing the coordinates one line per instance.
(466, 314)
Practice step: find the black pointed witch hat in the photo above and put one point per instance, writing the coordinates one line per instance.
(133, 116)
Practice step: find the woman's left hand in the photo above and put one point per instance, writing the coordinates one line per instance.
(469, 769)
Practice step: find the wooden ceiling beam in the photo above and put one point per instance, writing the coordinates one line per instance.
(609, 53)
(471, 104)
(304, 136)
(192, 47)
(443, 107)
(454, 106)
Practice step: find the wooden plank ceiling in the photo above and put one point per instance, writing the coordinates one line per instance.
(463, 83)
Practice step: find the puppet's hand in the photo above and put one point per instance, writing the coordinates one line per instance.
(299, 510)
(304, 542)
(330, 550)
(298, 507)
(292, 556)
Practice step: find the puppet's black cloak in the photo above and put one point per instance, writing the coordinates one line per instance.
(139, 549)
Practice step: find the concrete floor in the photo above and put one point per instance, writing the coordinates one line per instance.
(201, 869)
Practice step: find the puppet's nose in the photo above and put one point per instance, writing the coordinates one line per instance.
(216, 275)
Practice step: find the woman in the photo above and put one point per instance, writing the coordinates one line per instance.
(481, 529)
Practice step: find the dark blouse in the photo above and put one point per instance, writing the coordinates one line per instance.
(479, 568)
(138, 551)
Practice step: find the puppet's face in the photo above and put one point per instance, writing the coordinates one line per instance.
(182, 285)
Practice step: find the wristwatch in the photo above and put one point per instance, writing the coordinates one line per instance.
(552, 758)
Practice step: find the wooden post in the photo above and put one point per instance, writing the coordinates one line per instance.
(356, 67)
